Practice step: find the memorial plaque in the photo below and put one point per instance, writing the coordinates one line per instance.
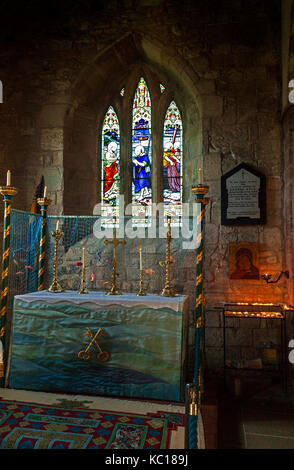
(243, 196)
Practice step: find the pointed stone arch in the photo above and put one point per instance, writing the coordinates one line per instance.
(99, 84)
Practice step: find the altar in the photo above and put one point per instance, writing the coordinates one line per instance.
(123, 345)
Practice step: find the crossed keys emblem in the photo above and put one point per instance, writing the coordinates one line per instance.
(84, 354)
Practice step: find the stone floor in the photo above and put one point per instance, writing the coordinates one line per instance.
(262, 417)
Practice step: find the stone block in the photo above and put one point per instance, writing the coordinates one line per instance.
(263, 335)
(214, 359)
(239, 337)
(248, 234)
(250, 323)
(211, 233)
(271, 237)
(214, 337)
(212, 166)
(53, 178)
(52, 139)
(212, 105)
(233, 354)
(213, 318)
(52, 116)
(232, 322)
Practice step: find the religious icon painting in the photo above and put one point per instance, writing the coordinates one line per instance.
(244, 261)
(141, 155)
(173, 163)
(110, 180)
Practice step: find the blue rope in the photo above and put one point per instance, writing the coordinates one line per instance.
(193, 435)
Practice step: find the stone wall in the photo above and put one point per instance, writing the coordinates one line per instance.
(61, 68)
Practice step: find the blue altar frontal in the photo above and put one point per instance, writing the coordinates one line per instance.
(94, 344)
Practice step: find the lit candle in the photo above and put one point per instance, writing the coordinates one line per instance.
(83, 258)
(141, 263)
(200, 175)
(45, 192)
(8, 178)
(57, 225)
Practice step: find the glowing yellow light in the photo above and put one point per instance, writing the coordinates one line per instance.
(254, 314)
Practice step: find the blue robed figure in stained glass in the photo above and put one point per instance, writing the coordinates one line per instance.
(141, 172)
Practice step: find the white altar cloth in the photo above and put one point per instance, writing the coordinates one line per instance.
(176, 303)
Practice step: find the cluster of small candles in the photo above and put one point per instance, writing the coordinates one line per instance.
(254, 314)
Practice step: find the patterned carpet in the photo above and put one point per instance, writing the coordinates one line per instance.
(26, 425)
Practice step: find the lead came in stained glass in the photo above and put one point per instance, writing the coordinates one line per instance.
(110, 170)
(173, 163)
(141, 155)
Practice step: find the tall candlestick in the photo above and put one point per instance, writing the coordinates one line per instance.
(168, 290)
(200, 175)
(141, 291)
(115, 242)
(83, 289)
(45, 192)
(141, 263)
(55, 286)
(8, 178)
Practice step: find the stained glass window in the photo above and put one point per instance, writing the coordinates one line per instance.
(141, 155)
(110, 180)
(173, 163)
(162, 88)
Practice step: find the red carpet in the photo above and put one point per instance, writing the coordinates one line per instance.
(34, 426)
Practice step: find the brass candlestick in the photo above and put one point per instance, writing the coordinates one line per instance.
(141, 291)
(83, 289)
(115, 242)
(168, 291)
(55, 286)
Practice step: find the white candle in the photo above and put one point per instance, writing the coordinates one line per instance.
(83, 258)
(200, 175)
(8, 179)
(141, 263)
(57, 225)
(45, 192)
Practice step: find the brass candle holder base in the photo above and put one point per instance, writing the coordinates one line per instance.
(168, 292)
(113, 291)
(141, 291)
(55, 287)
(83, 289)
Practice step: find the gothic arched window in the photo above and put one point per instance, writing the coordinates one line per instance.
(172, 162)
(137, 160)
(110, 169)
(141, 154)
